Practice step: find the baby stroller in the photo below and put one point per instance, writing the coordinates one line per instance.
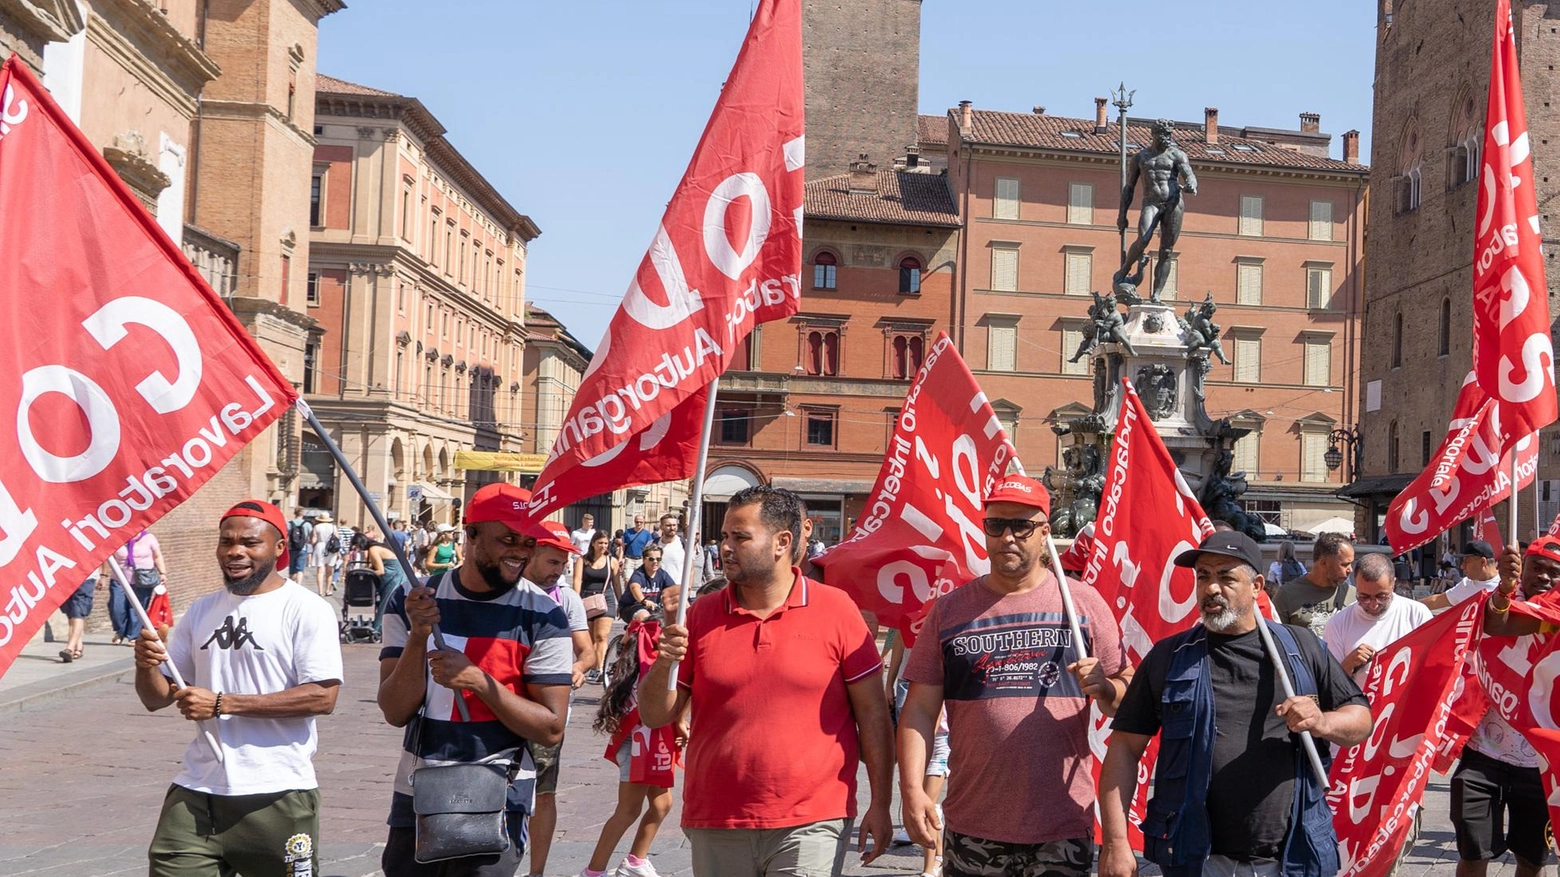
(359, 603)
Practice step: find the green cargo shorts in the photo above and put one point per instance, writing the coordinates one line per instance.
(204, 835)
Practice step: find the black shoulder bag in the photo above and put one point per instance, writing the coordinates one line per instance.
(461, 808)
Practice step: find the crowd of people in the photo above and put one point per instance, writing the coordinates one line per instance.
(989, 709)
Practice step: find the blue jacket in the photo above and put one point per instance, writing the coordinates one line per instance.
(1176, 833)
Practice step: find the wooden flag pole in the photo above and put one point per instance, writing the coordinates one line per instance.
(209, 732)
(695, 513)
(379, 518)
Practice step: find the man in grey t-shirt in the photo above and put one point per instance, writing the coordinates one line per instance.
(1310, 600)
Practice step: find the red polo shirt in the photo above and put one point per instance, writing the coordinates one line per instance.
(773, 743)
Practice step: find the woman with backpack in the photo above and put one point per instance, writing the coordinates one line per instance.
(326, 545)
(1286, 568)
(142, 560)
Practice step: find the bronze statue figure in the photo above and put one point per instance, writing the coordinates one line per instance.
(1106, 327)
(1201, 331)
(1166, 173)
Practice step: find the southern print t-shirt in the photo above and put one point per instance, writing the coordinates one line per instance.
(1018, 724)
(518, 637)
(1251, 790)
(260, 644)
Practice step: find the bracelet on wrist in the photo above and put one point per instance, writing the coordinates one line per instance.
(216, 711)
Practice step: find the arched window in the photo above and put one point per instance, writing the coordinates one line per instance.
(824, 267)
(910, 276)
(1392, 447)
(1397, 340)
(1444, 335)
(823, 353)
(907, 352)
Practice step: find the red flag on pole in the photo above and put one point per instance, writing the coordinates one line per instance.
(1512, 352)
(1485, 527)
(132, 383)
(726, 257)
(920, 534)
(1147, 517)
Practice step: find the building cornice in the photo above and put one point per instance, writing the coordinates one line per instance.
(1201, 165)
(140, 38)
(321, 8)
(56, 20)
(236, 109)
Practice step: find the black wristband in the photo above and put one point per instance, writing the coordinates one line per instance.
(216, 711)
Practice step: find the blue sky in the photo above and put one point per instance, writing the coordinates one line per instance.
(584, 113)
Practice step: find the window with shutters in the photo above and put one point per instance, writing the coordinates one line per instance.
(1004, 268)
(1005, 205)
(1080, 204)
(1321, 221)
(1251, 215)
(1080, 271)
(905, 352)
(1246, 456)
(825, 266)
(823, 352)
(1248, 282)
(1001, 346)
(1072, 337)
(1313, 459)
(819, 424)
(1172, 287)
(734, 425)
(1318, 361)
(1248, 360)
(1318, 286)
(910, 276)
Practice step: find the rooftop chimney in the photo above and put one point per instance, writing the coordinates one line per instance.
(912, 156)
(966, 115)
(1211, 125)
(863, 177)
(1099, 115)
(1310, 123)
(1351, 147)
(1039, 110)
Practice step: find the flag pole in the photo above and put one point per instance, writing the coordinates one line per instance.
(1514, 495)
(1067, 600)
(379, 518)
(207, 731)
(1307, 742)
(695, 513)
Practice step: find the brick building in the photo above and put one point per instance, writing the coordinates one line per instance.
(417, 280)
(861, 65)
(1432, 79)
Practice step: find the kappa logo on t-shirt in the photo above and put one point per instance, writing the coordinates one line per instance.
(231, 636)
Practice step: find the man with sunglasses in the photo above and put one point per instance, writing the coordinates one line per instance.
(1355, 634)
(998, 654)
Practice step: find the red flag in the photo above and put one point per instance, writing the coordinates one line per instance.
(920, 534)
(1414, 686)
(1467, 475)
(1485, 527)
(1147, 517)
(132, 383)
(1512, 352)
(727, 256)
(1554, 526)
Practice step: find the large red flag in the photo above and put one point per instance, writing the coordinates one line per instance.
(1519, 675)
(1512, 352)
(920, 534)
(727, 256)
(1416, 691)
(1147, 517)
(1467, 475)
(130, 381)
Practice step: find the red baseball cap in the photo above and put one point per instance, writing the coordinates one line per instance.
(557, 537)
(508, 505)
(1544, 546)
(1023, 490)
(259, 508)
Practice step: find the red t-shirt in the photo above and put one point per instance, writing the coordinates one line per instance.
(1018, 724)
(773, 742)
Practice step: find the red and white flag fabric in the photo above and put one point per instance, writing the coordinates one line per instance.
(132, 383)
(920, 534)
(1147, 518)
(727, 256)
(1486, 528)
(1512, 352)
(1519, 682)
(1468, 473)
(1416, 691)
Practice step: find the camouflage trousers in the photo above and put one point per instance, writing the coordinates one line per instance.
(966, 856)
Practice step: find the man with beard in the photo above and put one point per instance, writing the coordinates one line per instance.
(1356, 634)
(1324, 589)
(507, 657)
(262, 658)
(998, 654)
(1498, 800)
(774, 653)
(1231, 773)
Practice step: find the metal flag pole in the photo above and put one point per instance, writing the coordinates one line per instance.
(695, 513)
(1281, 665)
(1067, 601)
(1514, 494)
(379, 518)
(207, 731)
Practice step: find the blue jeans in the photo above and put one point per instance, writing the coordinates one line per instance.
(126, 622)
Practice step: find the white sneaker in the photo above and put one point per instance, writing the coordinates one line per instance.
(645, 870)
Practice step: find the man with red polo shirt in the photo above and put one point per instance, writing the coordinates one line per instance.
(998, 654)
(783, 677)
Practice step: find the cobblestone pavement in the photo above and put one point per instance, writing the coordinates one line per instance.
(86, 771)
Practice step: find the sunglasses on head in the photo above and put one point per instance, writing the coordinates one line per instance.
(1022, 527)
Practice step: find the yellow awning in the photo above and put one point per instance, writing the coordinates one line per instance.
(493, 461)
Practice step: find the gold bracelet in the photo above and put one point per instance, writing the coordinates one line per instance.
(1500, 610)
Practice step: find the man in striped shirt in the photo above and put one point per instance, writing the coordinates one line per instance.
(508, 657)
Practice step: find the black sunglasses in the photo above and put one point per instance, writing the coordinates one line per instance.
(1021, 527)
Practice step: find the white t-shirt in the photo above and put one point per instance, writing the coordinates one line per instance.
(581, 539)
(1351, 626)
(1470, 587)
(672, 556)
(261, 644)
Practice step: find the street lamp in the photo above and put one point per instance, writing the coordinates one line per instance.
(1334, 455)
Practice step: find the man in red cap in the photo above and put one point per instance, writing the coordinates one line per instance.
(507, 657)
(262, 658)
(998, 654)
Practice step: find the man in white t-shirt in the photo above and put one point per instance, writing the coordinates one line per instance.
(1479, 575)
(261, 658)
(672, 549)
(1356, 633)
(544, 572)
